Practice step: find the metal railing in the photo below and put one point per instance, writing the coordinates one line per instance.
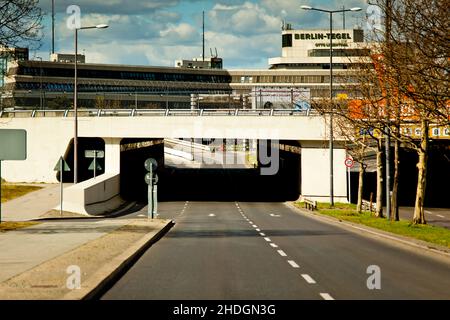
(154, 112)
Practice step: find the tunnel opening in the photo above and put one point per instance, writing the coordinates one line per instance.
(192, 180)
(85, 164)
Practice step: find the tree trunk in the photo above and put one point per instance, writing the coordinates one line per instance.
(379, 209)
(394, 200)
(360, 187)
(419, 212)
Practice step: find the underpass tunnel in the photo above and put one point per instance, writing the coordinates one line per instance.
(195, 181)
(134, 153)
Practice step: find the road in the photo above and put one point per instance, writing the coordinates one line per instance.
(244, 250)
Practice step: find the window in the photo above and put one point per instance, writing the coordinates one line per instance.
(287, 40)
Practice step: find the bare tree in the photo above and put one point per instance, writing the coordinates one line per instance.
(20, 22)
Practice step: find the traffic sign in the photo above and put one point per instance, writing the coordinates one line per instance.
(151, 163)
(148, 177)
(349, 162)
(13, 144)
(94, 154)
(65, 166)
(95, 165)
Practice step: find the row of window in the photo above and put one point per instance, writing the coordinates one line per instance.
(289, 79)
(122, 75)
(68, 87)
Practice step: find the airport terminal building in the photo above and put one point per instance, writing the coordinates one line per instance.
(302, 67)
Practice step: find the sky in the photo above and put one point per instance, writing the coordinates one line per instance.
(157, 32)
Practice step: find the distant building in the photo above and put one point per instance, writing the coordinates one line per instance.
(310, 49)
(67, 58)
(199, 63)
(7, 55)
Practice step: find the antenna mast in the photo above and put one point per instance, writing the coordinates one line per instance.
(203, 40)
(53, 26)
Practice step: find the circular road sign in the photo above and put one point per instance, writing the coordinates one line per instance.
(151, 163)
(147, 178)
(349, 162)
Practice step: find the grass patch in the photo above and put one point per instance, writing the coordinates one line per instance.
(347, 212)
(12, 191)
(9, 226)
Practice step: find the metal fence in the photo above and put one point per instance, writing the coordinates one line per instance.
(154, 112)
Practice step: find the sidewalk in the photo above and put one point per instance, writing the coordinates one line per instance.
(32, 205)
(34, 260)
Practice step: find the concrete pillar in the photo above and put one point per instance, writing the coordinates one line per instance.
(112, 155)
(315, 174)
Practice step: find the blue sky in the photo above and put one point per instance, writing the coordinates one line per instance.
(157, 32)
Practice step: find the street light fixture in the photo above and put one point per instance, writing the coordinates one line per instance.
(330, 12)
(75, 101)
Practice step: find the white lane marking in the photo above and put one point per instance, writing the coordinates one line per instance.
(308, 279)
(258, 230)
(275, 215)
(251, 222)
(440, 216)
(262, 234)
(268, 239)
(426, 211)
(282, 253)
(141, 215)
(212, 215)
(254, 226)
(273, 245)
(326, 296)
(293, 264)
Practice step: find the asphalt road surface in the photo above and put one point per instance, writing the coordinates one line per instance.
(243, 250)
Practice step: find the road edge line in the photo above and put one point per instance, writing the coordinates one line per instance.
(372, 233)
(119, 266)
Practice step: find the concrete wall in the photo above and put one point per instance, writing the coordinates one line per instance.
(47, 141)
(96, 196)
(315, 173)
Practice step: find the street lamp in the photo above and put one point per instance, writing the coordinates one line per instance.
(75, 101)
(40, 86)
(331, 89)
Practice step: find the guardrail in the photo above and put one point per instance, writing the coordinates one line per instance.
(154, 112)
(367, 206)
(310, 204)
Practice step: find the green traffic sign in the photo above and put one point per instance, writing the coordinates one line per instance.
(94, 154)
(155, 178)
(65, 165)
(13, 144)
(92, 166)
(151, 163)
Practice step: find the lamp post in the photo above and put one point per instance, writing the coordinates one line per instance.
(40, 86)
(75, 101)
(330, 12)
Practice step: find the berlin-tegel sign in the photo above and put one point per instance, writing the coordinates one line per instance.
(13, 146)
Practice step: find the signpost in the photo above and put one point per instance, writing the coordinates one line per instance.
(349, 163)
(62, 167)
(96, 154)
(152, 180)
(13, 146)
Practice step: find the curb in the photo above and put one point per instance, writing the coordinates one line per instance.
(375, 233)
(106, 276)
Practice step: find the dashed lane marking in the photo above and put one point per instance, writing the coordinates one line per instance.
(282, 253)
(273, 245)
(308, 279)
(267, 239)
(326, 296)
(293, 264)
(262, 234)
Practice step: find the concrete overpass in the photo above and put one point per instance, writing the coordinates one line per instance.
(50, 134)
